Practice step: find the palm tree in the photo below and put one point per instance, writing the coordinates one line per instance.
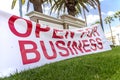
(91, 3)
(100, 15)
(70, 4)
(20, 9)
(108, 21)
(64, 5)
(73, 7)
(37, 4)
(95, 3)
(21, 2)
(117, 15)
(84, 13)
(97, 22)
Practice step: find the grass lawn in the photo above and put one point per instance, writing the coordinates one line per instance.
(102, 66)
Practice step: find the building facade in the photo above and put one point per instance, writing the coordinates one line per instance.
(64, 22)
(116, 35)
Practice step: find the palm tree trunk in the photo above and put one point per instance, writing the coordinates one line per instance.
(70, 4)
(37, 4)
(111, 34)
(20, 8)
(85, 17)
(100, 15)
(71, 13)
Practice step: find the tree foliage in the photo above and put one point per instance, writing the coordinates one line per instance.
(73, 7)
(108, 19)
(14, 3)
(117, 15)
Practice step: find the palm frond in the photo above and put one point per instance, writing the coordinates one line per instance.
(13, 4)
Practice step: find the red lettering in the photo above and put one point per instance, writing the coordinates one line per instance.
(86, 46)
(95, 32)
(39, 29)
(66, 35)
(68, 45)
(93, 44)
(99, 41)
(72, 34)
(45, 51)
(12, 27)
(75, 46)
(25, 51)
(60, 45)
(55, 34)
(83, 34)
(89, 32)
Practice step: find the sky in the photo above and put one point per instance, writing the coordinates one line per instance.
(108, 8)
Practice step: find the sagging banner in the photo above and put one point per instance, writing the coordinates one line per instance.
(25, 44)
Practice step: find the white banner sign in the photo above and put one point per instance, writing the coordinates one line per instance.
(25, 44)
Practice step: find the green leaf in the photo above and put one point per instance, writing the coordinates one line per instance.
(23, 2)
(13, 4)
